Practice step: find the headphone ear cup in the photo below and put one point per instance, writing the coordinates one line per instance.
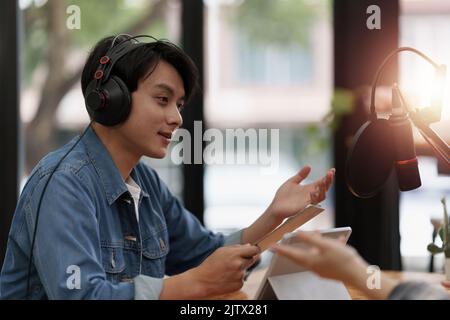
(117, 105)
(90, 106)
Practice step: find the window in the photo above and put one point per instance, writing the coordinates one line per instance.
(423, 25)
(269, 67)
(54, 52)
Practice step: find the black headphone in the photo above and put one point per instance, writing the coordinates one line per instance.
(107, 98)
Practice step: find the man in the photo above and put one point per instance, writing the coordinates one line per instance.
(108, 227)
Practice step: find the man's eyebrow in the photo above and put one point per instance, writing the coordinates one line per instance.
(167, 88)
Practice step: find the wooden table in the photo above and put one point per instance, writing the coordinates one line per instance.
(431, 278)
(250, 287)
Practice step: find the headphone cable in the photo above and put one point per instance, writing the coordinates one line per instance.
(30, 262)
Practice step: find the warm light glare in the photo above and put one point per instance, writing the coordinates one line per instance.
(446, 97)
(422, 87)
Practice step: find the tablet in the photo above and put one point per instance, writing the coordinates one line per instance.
(280, 265)
(291, 224)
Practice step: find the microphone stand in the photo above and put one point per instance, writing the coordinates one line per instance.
(440, 147)
(419, 118)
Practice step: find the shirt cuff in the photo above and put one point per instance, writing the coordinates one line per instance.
(234, 238)
(147, 288)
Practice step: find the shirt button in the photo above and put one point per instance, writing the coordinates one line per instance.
(131, 238)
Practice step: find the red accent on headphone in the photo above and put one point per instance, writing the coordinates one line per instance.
(104, 60)
(98, 74)
(403, 162)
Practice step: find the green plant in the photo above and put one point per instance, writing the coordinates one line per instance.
(443, 234)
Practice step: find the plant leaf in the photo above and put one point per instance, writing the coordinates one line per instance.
(434, 249)
(445, 239)
(441, 233)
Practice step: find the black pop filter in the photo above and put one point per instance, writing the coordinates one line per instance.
(370, 158)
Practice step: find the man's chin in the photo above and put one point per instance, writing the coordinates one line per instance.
(156, 154)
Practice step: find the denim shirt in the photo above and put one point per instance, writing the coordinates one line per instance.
(89, 244)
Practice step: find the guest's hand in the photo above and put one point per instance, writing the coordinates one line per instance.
(326, 257)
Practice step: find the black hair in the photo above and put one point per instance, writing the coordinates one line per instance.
(141, 62)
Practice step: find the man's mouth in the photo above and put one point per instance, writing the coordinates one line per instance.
(167, 135)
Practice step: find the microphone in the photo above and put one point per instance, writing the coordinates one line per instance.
(405, 160)
(381, 145)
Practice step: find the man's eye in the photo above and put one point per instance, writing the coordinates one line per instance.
(180, 107)
(163, 100)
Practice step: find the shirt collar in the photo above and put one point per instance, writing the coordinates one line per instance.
(109, 175)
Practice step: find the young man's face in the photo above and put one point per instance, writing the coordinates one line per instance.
(154, 112)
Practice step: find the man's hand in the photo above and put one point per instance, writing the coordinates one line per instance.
(222, 272)
(292, 197)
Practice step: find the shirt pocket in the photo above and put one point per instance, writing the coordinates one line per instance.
(155, 249)
(113, 262)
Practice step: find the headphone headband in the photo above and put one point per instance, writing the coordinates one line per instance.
(113, 55)
(108, 61)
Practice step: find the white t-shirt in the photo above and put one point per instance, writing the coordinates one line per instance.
(135, 191)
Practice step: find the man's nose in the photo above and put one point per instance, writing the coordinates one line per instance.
(174, 117)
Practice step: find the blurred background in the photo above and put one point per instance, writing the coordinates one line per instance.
(299, 66)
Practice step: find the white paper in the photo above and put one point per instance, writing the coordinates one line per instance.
(307, 286)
